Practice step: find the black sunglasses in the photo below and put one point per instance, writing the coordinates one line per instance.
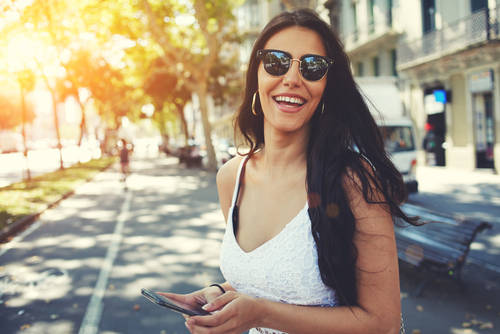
(311, 67)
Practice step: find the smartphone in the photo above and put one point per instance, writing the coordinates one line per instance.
(173, 305)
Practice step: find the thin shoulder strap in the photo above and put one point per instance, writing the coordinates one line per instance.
(239, 177)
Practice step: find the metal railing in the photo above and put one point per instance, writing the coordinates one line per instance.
(475, 28)
(364, 34)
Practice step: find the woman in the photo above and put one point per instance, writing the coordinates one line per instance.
(310, 209)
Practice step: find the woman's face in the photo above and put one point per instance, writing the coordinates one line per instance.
(304, 96)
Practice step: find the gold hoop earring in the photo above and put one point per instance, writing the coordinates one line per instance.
(253, 103)
(323, 107)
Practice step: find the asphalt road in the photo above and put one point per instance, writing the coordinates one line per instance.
(81, 267)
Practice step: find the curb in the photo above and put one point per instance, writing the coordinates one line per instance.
(23, 223)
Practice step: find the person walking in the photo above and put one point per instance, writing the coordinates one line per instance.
(309, 245)
(124, 160)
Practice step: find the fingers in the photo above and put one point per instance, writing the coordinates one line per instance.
(195, 326)
(219, 302)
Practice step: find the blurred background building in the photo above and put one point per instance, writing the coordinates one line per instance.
(444, 53)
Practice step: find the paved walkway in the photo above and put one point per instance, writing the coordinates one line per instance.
(171, 237)
(478, 192)
(475, 195)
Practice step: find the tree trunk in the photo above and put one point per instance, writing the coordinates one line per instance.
(83, 125)
(207, 128)
(184, 124)
(23, 110)
(56, 120)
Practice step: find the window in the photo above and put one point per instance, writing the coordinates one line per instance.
(376, 67)
(394, 72)
(355, 21)
(478, 5)
(371, 20)
(397, 138)
(360, 69)
(389, 12)
(429, 15)
(248, 15)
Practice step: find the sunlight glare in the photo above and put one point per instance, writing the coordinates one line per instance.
(148, 109)
(21, 50)
(185, 20)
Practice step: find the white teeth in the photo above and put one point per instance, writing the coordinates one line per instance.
(289, 99)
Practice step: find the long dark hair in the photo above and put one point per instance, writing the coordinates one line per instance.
(345, 142)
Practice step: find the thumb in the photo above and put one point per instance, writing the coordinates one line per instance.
(219, 302)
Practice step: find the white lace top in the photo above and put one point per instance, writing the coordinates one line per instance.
(284, 269)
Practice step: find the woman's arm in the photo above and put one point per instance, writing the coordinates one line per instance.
(379, 306)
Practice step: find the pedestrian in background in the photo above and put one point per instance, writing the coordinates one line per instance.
(309, 245)
(124, 159)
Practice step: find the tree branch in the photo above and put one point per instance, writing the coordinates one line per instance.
(172, 55)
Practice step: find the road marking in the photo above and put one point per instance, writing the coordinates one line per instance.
(20, 237)
(92, 318)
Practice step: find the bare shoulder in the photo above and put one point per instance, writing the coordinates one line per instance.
(227, 174)
(226, 181)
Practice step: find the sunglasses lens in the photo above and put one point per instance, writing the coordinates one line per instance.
(276, 63)
(313, 68)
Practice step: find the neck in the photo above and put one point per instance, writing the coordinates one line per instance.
(284, 151)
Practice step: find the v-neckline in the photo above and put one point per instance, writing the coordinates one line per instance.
(305, 208)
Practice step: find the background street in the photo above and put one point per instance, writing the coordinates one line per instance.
(13, 165)
(80, 268)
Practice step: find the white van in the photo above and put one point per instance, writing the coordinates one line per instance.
(397, 129)
(11, 142)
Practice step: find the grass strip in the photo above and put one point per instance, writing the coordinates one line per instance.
(28, 197)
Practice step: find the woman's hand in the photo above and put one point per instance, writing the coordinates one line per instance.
(234, 313)
(199, 298)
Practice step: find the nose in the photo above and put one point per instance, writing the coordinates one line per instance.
(293, 78)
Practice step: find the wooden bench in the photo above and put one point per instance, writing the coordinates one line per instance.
(439, 247)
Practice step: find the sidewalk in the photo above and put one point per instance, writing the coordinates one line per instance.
(475, 195)
(478, 192)
(442, 308)
(175, 228)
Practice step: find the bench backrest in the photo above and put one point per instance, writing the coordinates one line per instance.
(442, 236)
(447, 236)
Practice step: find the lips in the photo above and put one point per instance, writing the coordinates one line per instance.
(289, 102)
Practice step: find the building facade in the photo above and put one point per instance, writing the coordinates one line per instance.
(446, 56)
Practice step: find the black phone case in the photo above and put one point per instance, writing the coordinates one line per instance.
(163, 302)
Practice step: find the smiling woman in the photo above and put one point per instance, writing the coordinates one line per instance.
(309, 245)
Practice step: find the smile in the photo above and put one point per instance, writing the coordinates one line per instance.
(288, 101)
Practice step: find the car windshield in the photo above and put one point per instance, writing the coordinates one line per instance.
(397, 138)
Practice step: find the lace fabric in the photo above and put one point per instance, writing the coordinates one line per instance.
(284, 269)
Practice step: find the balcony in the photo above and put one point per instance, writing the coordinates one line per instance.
(378, 31)
(475, 29)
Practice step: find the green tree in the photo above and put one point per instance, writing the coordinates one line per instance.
(11, 115)
(75, 49)
(187, 36)
(88, 72)
(168, 95)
